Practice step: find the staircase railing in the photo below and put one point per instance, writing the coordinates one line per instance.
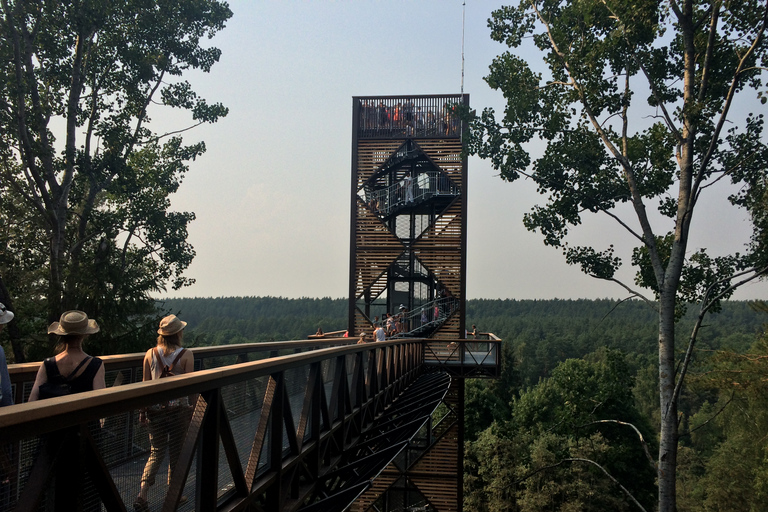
(424, 186)
(427, 317)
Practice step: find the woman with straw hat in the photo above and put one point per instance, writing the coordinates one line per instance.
(167, 422)
(72, 370)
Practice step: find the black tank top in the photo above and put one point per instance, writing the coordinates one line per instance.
(81, 383)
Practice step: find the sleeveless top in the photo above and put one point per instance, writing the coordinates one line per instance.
(81, 383)
(156, 367)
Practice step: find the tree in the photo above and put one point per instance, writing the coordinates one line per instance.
(78, 161)
(561, 440)
(606, 146)
(724, 465)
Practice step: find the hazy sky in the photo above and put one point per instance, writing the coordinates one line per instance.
(271, 194)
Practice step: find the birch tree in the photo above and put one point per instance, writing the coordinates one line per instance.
(635, 104)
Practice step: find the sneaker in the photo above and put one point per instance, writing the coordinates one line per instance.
(141, 505)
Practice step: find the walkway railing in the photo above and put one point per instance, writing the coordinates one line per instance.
(261, 433)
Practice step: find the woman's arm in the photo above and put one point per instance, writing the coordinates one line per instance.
(188, 361)
(146, 373)
(41, 378)
(98, 379)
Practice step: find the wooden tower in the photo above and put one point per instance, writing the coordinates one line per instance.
(408, 246)
(408, 240)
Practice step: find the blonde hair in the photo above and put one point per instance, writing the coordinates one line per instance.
(170, 341)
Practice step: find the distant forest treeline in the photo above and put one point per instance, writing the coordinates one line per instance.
(538, 334)
(547, 331)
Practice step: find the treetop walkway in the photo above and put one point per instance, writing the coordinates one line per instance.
(300, 425)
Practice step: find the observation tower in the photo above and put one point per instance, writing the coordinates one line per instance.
(408, 241)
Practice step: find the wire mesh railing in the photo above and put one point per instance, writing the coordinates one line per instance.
(260, 431)
(425, 318)
(409, 116)
(410, 191)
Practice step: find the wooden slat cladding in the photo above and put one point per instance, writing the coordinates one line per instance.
(371, 232)
(380, 485)
(376, 248)
(436, 475)
(371, 155)
(446, 154)
(439, 248)
(451, 329)
(362, 325)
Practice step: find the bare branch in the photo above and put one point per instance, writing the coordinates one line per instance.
(168, 134)
(639, 434)
(630, 290)
(706, 305)
(588, 461)
(624, 225)
(691, 431)
(705, 68)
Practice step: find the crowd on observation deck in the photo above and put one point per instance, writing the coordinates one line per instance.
(407, 118)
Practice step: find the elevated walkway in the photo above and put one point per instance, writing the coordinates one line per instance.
(275, 427)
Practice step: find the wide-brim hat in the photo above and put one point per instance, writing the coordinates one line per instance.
(73, 322)
(171, 325)
(5, 315)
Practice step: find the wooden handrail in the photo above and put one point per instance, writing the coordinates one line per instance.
(22, 371)
(34, 418)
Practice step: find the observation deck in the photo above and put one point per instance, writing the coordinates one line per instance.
(306, 425)
(397, 117)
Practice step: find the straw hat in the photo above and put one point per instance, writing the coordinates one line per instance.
(5, 315)
(170, 325)
(73, 322)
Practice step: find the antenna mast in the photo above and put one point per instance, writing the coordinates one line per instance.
(463, 13)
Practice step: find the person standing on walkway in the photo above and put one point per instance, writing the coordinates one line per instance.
(6, 392)
(379, 334)
(72, 370)
(167, 422)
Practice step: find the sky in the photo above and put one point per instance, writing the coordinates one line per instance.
(271, 194)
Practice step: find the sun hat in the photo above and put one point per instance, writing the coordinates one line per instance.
(73, 322)
(5, 315)
(171, 325)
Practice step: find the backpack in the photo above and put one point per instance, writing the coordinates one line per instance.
(167, 370)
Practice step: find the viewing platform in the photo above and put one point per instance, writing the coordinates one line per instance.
(396, 117)
(301, 425)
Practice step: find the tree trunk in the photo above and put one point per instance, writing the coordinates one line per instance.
(667, 465)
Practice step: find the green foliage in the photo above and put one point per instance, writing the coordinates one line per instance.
(534, 459)
(570, 79)
(229, 320)
(84, 181)
(725, 467)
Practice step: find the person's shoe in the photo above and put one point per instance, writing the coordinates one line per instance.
(140, 505)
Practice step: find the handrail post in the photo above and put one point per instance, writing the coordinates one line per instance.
(208, 454)
(274, 495)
